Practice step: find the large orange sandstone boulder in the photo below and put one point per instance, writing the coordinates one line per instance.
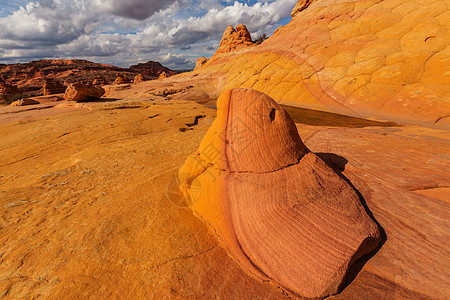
(53, 86)
(280, 211)
(374, 59)
(81, 92)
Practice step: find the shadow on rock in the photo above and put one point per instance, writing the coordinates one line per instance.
(338, 163)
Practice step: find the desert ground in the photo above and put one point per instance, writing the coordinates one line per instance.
(90, 197)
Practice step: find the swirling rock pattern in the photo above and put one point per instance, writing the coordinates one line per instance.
(280, 211)
(368, 58)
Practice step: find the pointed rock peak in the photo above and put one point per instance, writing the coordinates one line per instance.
(300, 6)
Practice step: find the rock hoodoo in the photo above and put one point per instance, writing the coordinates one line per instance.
(53, 86)
(121, 79)
(81, 92)
(99, 80)
(281, 212)
(139, 78)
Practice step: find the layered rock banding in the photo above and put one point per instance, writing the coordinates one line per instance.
(280, 211)
(24, 102)
(53, 86)
(138, 78)
(80, 92)
(234, 39)
(373, 59)
(121, 79)
(7, 90)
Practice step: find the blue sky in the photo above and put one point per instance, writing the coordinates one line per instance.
(125, 32)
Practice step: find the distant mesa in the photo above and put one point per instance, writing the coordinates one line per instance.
(121, 79)
(80, 92)
(100, 81)
(53, 86)
(281, 212)
(7, 89)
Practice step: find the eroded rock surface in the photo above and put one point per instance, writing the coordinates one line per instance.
(121, 79)
(81, 92)
(281, 212)
(53, 86)
(379, 59)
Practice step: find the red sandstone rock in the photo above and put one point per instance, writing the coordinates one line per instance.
(162, 75)
(283, 213)
(200, 62)
(7, 90)
(121, 79)
(301, 5)
(81, 92)
(53, 86)
(139, 78)
(151, 69)
(374, 59)
(100, 80)
(234, 39)
(23, 102)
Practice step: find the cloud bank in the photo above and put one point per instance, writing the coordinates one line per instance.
(175, 32)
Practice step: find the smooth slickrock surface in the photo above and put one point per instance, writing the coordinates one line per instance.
(89, 205)
(279, 209)
(379, 59)
(81, 92)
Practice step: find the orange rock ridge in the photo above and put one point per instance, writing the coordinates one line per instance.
(373, 59)
(281, 212)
